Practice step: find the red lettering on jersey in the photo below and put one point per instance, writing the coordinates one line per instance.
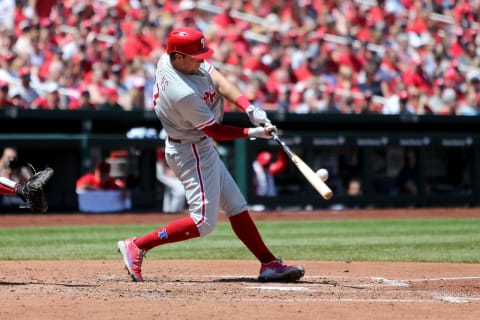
(209, 97)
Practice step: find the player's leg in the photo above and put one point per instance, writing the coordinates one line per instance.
(203, 196)
(133, 249)
(201, 182)
(235, 206)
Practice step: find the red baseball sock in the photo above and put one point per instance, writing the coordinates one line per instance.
(175, 231)
(247, 232)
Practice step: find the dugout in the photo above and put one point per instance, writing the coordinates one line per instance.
(365, 151)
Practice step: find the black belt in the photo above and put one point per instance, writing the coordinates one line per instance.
(186, 141)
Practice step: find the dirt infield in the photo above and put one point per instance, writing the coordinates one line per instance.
(187, 289)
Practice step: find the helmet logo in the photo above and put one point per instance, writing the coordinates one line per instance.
(203, 42)
(183, 34)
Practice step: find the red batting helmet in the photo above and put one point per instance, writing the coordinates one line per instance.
(264, 158)
(188, 41)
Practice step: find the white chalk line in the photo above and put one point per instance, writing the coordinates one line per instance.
(280, 288)
(385, 282)
(436, 297)
(454, 299)
(389, 282)
(442, 279)
(340, 300)
(382, 281)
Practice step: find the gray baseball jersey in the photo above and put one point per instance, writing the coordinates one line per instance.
(185, 104)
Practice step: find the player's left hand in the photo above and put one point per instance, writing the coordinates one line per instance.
(264, 132)
(257, 116)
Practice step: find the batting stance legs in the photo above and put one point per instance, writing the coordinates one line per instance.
(209, 188)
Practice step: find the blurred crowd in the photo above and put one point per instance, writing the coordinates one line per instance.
(303, 56)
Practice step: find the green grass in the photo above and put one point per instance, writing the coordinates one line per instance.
(428, 240)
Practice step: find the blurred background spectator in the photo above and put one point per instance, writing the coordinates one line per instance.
(291, 56)
(265, 167)
(99, 179)
(173, 198)
(111, 101)
(407, 179)
(24, 88)
(5, 100)
(83, 102)
(12, 168)
(99, 191)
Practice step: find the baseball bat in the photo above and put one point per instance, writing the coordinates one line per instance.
(307, 172)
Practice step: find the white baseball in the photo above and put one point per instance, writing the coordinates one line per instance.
(323, 174)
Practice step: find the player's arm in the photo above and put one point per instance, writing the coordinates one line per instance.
(202, 118)
(222, 132)
(227, 89)
(231, 92)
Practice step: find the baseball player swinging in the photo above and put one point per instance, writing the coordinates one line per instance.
(188, 100)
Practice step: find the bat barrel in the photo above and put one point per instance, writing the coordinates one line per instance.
(307, 172)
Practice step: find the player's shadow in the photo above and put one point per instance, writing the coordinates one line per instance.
(241, 279)
(255, 280)
(236, 280)
(331, 283)
(11, 283)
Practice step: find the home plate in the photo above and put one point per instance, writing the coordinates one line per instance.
(279, 288)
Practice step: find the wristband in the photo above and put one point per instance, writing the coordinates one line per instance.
(242, 102)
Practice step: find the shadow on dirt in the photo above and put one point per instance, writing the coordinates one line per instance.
(10, 283)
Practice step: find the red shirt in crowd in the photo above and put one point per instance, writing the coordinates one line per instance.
(138, 44)
(417, 78)
(349, 59)
(91, 180)
(44, 8)
(99, 179)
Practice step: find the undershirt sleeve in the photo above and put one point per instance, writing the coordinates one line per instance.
(222, 132)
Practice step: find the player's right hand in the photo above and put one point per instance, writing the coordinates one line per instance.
(262, 132)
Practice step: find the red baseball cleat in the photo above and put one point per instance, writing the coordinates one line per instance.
(132, 258)
(281, 272)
